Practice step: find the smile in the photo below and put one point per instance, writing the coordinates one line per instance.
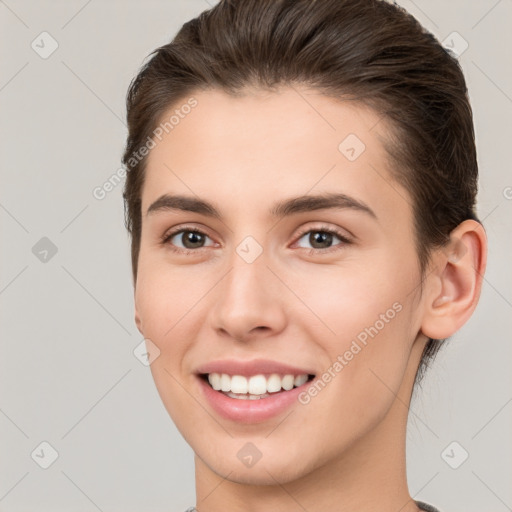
(254, 387)
(251, 391)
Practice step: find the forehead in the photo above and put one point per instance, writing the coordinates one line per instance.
(261, 146)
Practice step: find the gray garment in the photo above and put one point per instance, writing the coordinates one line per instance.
(422, 505)
(426, 507)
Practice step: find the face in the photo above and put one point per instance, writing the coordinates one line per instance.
(289, 256)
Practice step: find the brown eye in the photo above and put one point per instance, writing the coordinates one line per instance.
(192, 239)
(187, 239)
(321, 239)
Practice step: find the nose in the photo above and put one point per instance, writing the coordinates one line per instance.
(249, 302)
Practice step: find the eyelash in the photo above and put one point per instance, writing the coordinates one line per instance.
(325, 229)
(322, 229)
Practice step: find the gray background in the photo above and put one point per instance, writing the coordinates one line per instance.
(68, 375)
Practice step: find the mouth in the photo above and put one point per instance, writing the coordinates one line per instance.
(251, 391)
(254, 387)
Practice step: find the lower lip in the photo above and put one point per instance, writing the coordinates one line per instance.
(250, 411)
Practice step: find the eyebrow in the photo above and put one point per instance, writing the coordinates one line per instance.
(283, 208)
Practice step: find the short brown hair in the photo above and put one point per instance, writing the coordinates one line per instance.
(370, 51)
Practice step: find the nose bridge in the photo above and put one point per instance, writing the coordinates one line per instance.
(246, 288)
(246, 279)
(248, 263)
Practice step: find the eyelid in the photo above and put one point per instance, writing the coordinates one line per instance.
(170, 233)
(345, 234)
(344, 238)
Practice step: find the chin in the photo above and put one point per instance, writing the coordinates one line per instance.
(279, 466)
(260, 474)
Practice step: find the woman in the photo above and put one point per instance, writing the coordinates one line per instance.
(300, 195)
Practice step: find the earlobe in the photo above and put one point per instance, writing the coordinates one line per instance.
(456, 283)
(138, 321)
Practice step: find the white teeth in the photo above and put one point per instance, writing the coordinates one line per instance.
(288, 382)
(246, 396)
(274, 383)
(238, 384)
(225, 382)
(214, 380)
(256, 386)
(299, 380)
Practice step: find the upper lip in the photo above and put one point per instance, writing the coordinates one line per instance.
(252, 367)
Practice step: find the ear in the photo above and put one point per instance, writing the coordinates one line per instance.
(455, 283)
(138, 321)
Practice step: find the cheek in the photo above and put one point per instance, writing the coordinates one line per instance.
(370, 313)
(163, 314)
(350, 301)
(164, 298)
(165, 305)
